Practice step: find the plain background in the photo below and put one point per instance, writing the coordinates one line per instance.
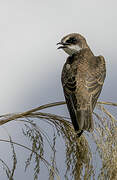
(30, 64)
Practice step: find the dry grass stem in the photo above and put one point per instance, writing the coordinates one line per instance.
(79, 163)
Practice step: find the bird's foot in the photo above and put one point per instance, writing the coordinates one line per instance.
(79, 133)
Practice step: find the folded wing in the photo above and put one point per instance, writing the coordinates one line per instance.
(92, 84)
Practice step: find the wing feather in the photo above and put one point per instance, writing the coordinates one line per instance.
(92, 86)
(71, 100)
(94, 81)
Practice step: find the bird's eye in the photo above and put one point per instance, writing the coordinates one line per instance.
(72, 40)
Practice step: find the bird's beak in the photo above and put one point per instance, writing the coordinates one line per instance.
(63, 45)
(60, 47)
(59, 43)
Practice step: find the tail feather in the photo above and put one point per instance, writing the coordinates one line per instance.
(85, 120)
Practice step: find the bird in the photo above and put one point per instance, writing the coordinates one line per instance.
(82, 79)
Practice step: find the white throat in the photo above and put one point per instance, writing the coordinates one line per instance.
(71, 49)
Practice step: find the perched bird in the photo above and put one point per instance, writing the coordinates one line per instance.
(82, 78)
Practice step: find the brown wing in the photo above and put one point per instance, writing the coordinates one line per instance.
(69, 92)
(95, 79)
(69, 86)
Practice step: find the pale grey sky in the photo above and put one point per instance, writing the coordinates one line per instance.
(30, 65)
(29, 31)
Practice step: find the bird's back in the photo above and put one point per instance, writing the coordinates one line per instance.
(82, 79)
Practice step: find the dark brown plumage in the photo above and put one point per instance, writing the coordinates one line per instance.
(82, 78)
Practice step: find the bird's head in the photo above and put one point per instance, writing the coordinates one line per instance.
(72, 43)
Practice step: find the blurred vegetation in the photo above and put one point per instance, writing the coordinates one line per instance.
(80, 160)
